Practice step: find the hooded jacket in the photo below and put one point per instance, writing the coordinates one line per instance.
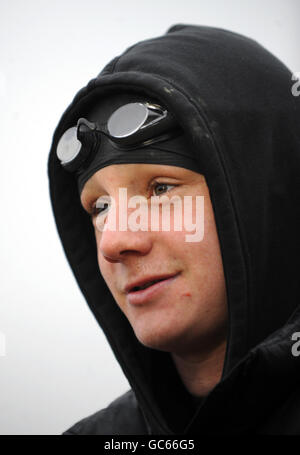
(233, 100)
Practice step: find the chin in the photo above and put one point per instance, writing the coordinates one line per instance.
(162, 338)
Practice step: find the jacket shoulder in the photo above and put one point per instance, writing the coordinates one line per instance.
(123, 416)
(286, 419)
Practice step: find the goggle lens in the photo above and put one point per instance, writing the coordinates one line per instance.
(68, 146)
(127, 120)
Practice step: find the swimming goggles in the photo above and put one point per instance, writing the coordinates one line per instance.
(129, 127)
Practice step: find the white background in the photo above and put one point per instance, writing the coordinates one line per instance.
(58, 367)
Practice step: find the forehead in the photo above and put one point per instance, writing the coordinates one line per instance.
(136, 173)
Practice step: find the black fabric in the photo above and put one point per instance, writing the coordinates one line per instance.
(233, 100)
(122, 416)
(172, 151)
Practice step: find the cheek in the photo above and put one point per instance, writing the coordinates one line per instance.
(202, 259)
(105, 269)
(109, 275)
(198, 240)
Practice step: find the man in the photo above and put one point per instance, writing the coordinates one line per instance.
(202, 326)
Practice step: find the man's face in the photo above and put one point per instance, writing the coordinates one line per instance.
(188, 308)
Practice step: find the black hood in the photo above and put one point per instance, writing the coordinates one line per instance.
(233, 100)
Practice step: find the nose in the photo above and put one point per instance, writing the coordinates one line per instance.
(117, 245)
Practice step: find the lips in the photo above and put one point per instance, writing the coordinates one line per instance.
(146, 285)
(145, 291)
(146, 282)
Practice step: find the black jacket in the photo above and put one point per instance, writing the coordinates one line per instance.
(233, 100)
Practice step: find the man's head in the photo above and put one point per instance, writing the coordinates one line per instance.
(243, 152)
(188, 310)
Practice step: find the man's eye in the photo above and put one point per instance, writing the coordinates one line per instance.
(100, 207)
(160, 188)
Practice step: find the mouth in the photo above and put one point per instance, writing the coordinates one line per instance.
(145, 283)
(148, 288)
